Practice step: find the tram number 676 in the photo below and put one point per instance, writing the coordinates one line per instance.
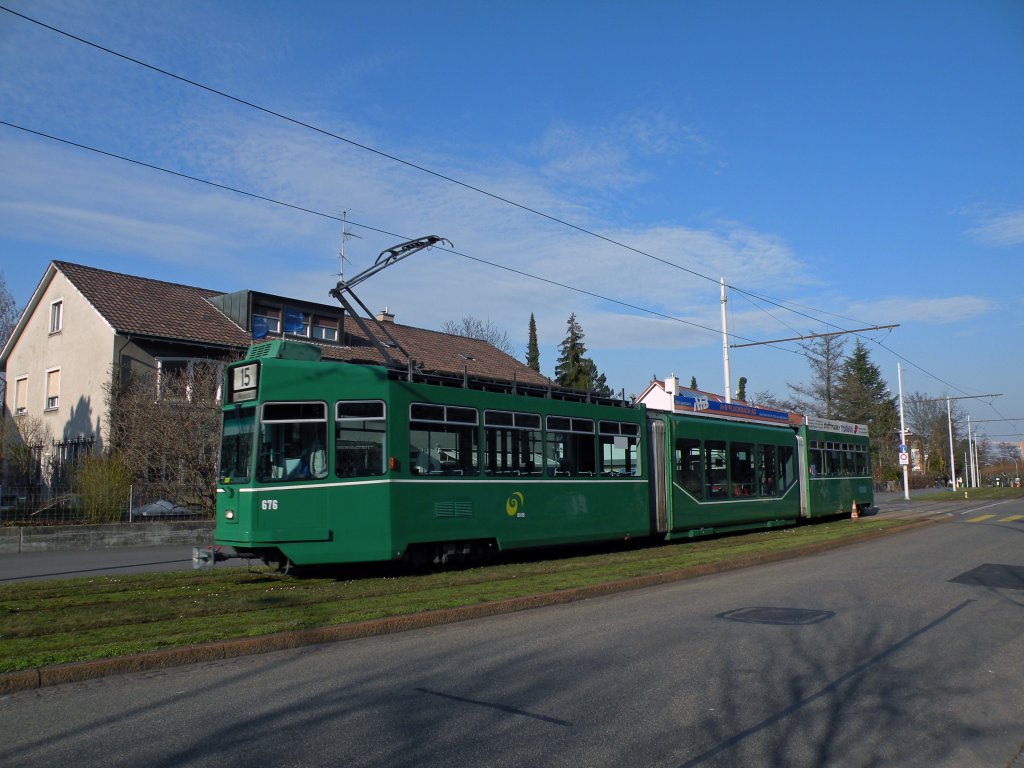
(268, 504)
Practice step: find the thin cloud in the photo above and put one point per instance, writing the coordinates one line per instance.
(940, 310)
(1000, 229)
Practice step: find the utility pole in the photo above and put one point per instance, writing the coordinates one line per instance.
(949, 419)
(903, 435)
(725, 347)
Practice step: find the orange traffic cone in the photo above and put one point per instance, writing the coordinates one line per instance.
(854, 515)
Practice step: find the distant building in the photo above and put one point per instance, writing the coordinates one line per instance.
(668, 396)
(83, 326)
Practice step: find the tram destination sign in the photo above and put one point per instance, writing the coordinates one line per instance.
(244, 380)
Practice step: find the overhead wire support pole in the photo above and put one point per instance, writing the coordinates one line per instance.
(903, 435)
(817, 335)
(725, 347)
(949, 420)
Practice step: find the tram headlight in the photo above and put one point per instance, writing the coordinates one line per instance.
(229, 514)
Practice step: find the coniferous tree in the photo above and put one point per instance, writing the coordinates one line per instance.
(574, 369)
(741, 390)
(569, 367)
(693, 382)
(862, 397)
(860, 392)
(532, 350)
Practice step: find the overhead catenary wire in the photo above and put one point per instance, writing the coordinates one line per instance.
(342, 218)
(782, 304)
(389, 156)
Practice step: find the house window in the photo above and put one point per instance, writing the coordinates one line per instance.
(265, 320)
(53, 389)
(296, 322)
(325, 329)
(21, 396)
(56, 316)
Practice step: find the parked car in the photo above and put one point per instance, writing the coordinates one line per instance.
(161, 509)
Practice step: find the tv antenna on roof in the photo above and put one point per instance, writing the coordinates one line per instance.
(346, 233)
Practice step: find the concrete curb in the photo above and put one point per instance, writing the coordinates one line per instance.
(52, 538)
(30, 679)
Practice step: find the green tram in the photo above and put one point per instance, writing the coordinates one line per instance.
(325, 462)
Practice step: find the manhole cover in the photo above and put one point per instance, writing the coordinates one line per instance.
(993, 575)
(788, 616)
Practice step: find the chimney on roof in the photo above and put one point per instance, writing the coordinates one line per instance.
(672, 385)
(385, 317)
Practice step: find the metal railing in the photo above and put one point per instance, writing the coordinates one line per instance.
(35, 505)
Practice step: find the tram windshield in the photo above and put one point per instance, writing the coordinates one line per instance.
(236, 444)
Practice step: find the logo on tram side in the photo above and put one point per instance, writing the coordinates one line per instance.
(512, 505)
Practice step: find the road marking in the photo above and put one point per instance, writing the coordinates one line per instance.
(1012, 519)
(980, 519)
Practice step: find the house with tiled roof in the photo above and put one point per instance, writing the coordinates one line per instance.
(83, 326)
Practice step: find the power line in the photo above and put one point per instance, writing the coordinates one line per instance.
(352, 142)
(395, 158)
(343, 219)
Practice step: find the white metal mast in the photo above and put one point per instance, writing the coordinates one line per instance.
(346, 233)
(903, 434)
(725, 346)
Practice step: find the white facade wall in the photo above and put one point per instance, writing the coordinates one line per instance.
(81, 350)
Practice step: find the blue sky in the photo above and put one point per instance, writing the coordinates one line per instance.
(861, 160)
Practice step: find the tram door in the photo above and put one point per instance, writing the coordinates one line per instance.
(292, 456)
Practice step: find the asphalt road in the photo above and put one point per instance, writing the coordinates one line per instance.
(906, 650)
(109, 561)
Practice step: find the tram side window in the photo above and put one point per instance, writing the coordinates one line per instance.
(689, 467)
(767, 482)
(293, 442)
(443, 440)
(512, 443)
(360, 428)
(716, 480)
(787, 468)
(816, 459)
(741, 469)
(617, 451)
(833, 460)
(860, 461)
(570, 446)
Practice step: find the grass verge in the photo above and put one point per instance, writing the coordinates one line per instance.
(55, 622)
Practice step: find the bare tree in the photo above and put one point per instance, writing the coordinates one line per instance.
(8, 311)
(485, 330)
(927, 418)
(167, 430)
(24, 440)
(825, 356)
(767, 399)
